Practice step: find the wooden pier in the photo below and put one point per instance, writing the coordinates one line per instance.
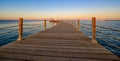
(62, 42)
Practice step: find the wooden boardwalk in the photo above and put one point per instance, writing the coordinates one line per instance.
(60, 43)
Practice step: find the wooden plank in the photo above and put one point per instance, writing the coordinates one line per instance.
(52, 47)
(67, 36)
(82, 51)
(61, 43)
(44, 58)
(1, 59)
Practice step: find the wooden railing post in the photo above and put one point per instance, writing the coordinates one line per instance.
(94, 30)
(78, 25)
(44, 24)
(20, 31)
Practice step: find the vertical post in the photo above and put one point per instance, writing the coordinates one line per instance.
(44, 24)
(20, 33)
(94, 30)
(78, 25)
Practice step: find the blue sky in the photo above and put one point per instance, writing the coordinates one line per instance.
(60, 9)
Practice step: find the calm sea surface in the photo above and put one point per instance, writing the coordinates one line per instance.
(9, 29)
(108, 32)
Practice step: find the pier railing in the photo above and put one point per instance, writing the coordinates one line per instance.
(93, 29)
(31, 27)
(106, 36)
(21, 30)
(7, 32)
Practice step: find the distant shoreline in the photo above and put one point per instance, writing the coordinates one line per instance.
(110, 20)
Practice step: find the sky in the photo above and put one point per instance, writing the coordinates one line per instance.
(59, 9)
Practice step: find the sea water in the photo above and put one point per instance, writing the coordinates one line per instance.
(9, 34)
(32, 27)
(107, 40)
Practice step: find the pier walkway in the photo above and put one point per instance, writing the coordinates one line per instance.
(62, 42)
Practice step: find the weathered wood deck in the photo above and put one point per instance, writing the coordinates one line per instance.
(60, 43)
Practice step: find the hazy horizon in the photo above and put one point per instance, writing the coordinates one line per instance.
(60, 9)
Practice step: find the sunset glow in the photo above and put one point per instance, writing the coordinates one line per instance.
(60, 9)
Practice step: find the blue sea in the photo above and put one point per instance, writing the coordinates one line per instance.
(108, 32)
(9, 29)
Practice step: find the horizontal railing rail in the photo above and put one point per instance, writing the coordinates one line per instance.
(8, 27)
(110, 36)
(111, 44)
(7, 32)
(113, 29)
(32, 27)
(21, 30)
(103, 27)
(86, 24)
(32, 24)
(8, 37)
(88, 27)
(106, 36)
